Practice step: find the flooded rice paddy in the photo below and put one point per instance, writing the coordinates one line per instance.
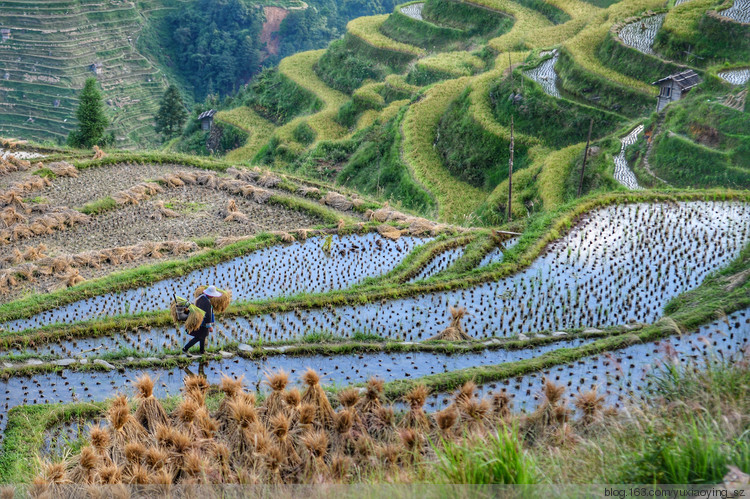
(621, 263)
(641, 34)
(738, 76)
(73, 386)
(281, 270)
(621, 375)
(544, 74)
(739, 11)
(414, 11)
(623, 173)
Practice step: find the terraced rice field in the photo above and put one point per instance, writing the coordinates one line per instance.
(439, 263)
(544, 74)
(97, 386)
(623, 173)
(641, 34)
(266, 273)
(576, 283)
(603, 273)
(368, 305)
(40, 90)
(735, 76)
(620, 375)
(413, 10)
(739, 11)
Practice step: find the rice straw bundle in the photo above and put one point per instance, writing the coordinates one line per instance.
(196, 387)
(465, 394)
(123, 429)
(274, 403)
(232, 389)
(337, 201)
(292, 402)
(280, 425)
(63, 169)
(454, 332)
(163, 212)
(373, 396)
(474, 415)
(416, 417)
(10, 216)
(195, 318)
(150, 413)
(268, 179)
(591, 405)
(84, 470)
(100, 440)
(98, 153)
(445, 420)
(315, 396)
(343, 436)
(501, 405)
(219, 303)
(316, 444)
(389, 232)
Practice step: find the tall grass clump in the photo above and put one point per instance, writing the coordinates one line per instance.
(497, 459)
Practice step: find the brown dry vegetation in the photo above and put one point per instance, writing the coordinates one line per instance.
(293, 437)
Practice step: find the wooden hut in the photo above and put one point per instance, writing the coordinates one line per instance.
(673, 87)
(207, 119)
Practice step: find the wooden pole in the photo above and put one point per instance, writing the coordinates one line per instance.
(510, 173)
(510, 68)
(585, 157)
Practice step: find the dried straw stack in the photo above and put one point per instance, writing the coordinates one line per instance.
(150, 413)
(288, 439)
(454, 332)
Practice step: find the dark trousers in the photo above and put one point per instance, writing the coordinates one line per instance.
(200, 336)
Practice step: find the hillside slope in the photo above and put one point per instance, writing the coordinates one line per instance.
(55, 45)
(425, 96)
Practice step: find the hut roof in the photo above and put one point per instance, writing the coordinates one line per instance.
(207, 114)
(686, 80)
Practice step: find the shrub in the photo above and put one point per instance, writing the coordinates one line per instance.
(498, 459)
(403, 28)
(279, 99)
(303, 134)
(344, 68)
(472, 153)
(557, 122)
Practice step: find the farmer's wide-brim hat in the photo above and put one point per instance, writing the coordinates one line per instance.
(212, 291)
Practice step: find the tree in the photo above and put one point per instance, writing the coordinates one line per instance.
(172, 114)
(91, 119)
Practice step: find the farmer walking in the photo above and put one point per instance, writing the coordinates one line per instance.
(204, 303)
